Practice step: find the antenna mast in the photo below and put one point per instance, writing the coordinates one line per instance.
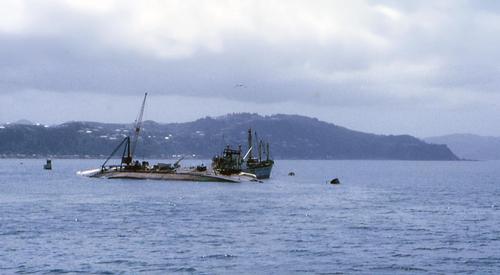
(137, 127)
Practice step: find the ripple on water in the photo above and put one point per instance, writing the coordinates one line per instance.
(66, 271)
(399, 268)
(12, 232)
(219, 256)
(184, 269)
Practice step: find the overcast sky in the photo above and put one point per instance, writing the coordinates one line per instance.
(419, 67)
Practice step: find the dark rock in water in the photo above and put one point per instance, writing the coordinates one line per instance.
(335, 181)
(291, 174)
(48, 165)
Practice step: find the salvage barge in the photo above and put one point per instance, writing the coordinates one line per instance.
(130, 169)
(177, 175)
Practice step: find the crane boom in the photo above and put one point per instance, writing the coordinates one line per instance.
(137, 127)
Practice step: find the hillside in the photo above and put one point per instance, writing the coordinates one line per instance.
(290, 136)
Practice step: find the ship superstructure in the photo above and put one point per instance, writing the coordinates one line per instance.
(231, 161)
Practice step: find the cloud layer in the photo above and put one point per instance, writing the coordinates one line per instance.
(408, 57)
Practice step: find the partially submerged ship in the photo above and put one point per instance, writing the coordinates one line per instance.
(134, 169)
(231, 161)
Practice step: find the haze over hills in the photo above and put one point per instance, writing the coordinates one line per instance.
(469, 146)
(290, 136)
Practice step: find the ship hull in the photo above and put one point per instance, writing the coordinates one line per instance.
(169, 176)
(261, 172)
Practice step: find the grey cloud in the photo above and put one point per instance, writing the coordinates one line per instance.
(266, 74)
(417, 61)
(52, 64)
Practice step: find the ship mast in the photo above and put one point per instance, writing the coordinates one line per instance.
(250, 143)
(137, 127)
(267, 151)
(260, 150)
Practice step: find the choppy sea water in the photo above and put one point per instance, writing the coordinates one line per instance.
(384, 217)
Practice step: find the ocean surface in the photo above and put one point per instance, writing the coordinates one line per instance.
(385, 217)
